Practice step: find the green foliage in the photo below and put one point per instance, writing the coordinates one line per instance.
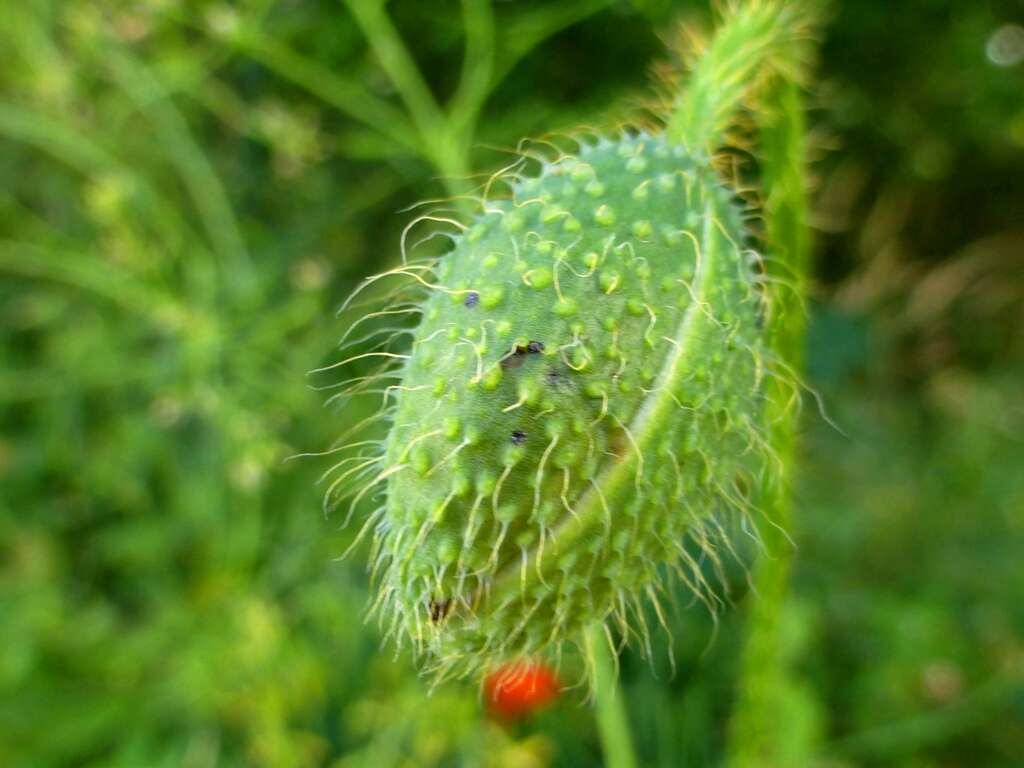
(190, 187)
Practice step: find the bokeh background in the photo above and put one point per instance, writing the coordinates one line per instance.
(190, 189)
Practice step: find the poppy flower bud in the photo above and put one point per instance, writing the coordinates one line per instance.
(582, 391)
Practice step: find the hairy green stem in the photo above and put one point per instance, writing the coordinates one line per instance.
(612, 724)
(760, 39)
(755, 724)
(756, 61)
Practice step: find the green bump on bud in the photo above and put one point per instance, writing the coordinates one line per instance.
(641, 228)
(609, 280)
(492, 297)
(485, 482)
(566, 307)
(604, 215)
(540, 277)
(636, 164)
(581, 359)
(550, 213)
(559, 431)
(582, 172)
(460, 484)
(529, 391)
(492, 378)
(420, 461)
(513, 222)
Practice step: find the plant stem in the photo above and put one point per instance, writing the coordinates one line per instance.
(755, 39)
(477, 66)
(612, 724)
(397, 62)
(334, 88)
(763, 669)
(446, 151)
(756, 60)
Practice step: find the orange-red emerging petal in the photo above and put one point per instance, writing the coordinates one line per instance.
(517, 689)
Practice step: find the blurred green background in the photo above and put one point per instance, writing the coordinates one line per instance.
(190, 189)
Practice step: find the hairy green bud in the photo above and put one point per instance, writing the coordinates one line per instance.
(582, 392)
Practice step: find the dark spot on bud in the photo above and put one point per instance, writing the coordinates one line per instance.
(742, 486)
(515, 358)
(557, 381)
(518, 437)
(472, 299)
(618, 444)
(439, 610)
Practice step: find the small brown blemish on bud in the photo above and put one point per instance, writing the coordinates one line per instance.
(515, 358)
(439, 609)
